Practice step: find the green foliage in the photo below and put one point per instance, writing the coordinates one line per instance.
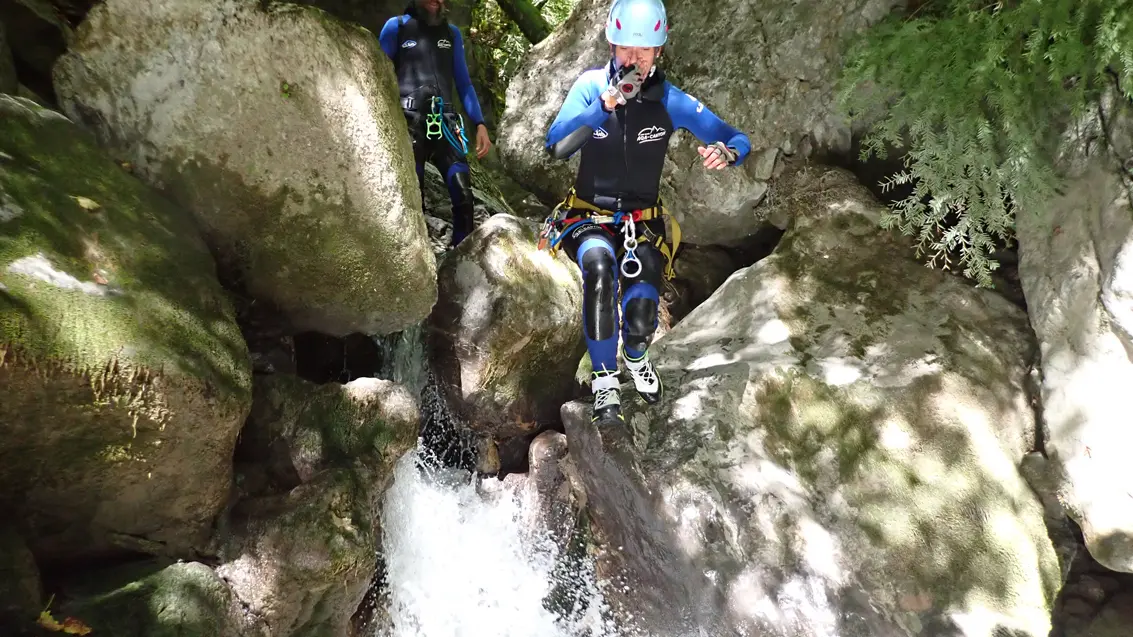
(503, 44)
(981, 93)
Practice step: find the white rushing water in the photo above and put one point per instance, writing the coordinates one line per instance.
(465, 557)
(463, 560)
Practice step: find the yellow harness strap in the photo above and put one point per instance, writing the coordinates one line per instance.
(672, 228)
(673, 233)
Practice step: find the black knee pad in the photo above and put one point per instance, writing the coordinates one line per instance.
(463, 211)
(652, 266)
(461, 189)
(599, 292)
(640, 323)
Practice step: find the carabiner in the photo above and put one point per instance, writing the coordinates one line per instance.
(630, 245)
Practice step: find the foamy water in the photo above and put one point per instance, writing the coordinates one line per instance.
(464, 560)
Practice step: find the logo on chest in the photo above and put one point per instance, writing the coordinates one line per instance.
(409, 44)
(651, 134)
(600, 133)
(444, 44)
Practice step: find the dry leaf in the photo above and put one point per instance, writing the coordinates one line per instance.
(72, 626)
(87, 203)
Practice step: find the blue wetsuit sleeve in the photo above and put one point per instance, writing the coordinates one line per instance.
(690, 114)
(464, 80)
(388, 37)
(579, 115)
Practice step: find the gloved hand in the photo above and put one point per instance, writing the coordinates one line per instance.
(625, 86)
(717, 155)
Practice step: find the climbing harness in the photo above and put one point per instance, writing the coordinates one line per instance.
(436, 126)
(556, 225)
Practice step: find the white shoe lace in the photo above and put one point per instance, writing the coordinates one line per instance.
(605, 386)
(644, 375)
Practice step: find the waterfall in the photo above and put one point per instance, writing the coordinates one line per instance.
(403, 358)
(462, 557)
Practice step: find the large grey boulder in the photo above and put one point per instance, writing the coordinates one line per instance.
(838, 450)
(281, 130)
(302, 561)
(159, 599)
(506, 335)
(1076, 266)
(768, 69)
(298, 429)
(300, 553)
(124, 379)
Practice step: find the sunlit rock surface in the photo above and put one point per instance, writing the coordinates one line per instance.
(837, 453)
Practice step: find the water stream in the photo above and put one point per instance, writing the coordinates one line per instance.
(465, 556)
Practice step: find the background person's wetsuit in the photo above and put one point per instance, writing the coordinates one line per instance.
(429, 60)
(623, 153)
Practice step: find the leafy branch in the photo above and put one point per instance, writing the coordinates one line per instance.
(981, 94)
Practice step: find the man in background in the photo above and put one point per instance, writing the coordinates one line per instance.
(428, 56)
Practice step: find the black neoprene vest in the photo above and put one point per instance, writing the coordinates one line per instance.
(424, 61)
(621, 164)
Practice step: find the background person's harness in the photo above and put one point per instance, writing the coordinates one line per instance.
(440, 122)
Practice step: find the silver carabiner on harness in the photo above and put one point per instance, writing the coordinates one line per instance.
(630, 245)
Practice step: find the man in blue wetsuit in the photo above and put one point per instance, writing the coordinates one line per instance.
(428, 55)
(622, 116)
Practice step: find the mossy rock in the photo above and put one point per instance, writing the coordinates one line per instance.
(319, 542)
(842, 429)
(124, 379)
(280, 128)
(506, 335)
(299, 428)
(155, 599)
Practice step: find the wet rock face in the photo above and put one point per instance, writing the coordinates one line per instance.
(546, 489)
(838, 447)
(325, 221)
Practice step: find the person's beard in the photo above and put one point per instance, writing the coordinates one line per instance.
(432, 19)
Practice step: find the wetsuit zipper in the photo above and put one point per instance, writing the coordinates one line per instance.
(625, 156)
(435, 57)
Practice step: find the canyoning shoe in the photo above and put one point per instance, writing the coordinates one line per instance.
(607, 400)
(645, 378)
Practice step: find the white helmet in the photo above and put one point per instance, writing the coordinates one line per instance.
(637, 23)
